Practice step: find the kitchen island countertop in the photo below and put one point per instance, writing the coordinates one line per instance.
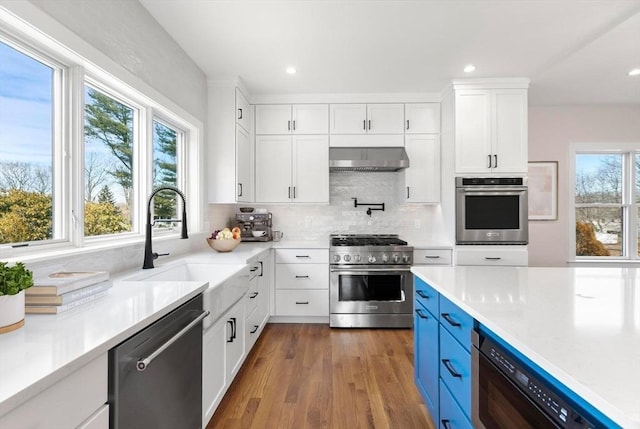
(581, 325)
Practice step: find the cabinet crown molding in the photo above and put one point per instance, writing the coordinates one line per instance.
(491, 83)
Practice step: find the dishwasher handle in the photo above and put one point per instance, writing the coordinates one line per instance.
(143, 363)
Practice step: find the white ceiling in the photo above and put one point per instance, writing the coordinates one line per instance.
(574, 51)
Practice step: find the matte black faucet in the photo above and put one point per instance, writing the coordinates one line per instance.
(150, 255)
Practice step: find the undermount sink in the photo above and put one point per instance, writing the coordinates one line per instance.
(227, 283)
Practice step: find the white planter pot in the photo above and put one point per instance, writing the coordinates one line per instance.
(11, 310)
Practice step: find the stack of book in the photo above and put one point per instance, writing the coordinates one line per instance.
(63, 291)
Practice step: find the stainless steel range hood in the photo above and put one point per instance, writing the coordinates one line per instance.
(367, 159)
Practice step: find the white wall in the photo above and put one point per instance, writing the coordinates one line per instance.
(416, 223)
(551, 130)
(128, 34)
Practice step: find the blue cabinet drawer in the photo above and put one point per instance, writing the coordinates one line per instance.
(451, 416)
(426, 295)
(455, 370)
(426, 357)
(457, 322)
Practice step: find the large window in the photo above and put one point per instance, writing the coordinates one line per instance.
(605, 202)
(27, 107)
(74, 139)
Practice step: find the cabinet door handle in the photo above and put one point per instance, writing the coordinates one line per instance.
(407, 124)
(294, 125)
(452, 371)
(492, 258)
(446, 424)
(288, 125)
(447, 317)
(422, 294)
(253, 295)
(495, 161)
(369, 124)
(230, 339)
(432, 257)
(261, 269)
(294, 192)
(289, 196)
(239, 189)
(255, 329)
(302, 277)
(302, 302)
(408, 192)
(364, 124)
(239, 113)
(235, 326)
(489, 156)
(421, 314)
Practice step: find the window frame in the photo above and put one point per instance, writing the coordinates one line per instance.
(628, 205)
(87, 65)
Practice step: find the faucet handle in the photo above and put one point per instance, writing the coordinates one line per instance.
(156, 255)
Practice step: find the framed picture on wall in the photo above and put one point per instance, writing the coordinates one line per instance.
(543, 190)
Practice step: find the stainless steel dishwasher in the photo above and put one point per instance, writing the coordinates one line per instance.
(155, 376)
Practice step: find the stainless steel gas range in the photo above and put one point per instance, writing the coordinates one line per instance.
(371, 285)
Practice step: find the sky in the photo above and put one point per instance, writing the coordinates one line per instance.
(25, 108)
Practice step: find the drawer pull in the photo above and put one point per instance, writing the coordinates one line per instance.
(432, 257)
(254, 330)
(303, 256)
(253, 295)
(421, 314)
(302, 302)
(492, 258)
(446, 424)
(447, 317)
(447, 364)
(254, 269)
(302, 277)
(422, 294)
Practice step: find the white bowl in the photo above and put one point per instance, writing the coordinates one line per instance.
(258, 233)
(223, 245)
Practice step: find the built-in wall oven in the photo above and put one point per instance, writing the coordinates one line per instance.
(507, 392)
(371, 285)
(491, 210)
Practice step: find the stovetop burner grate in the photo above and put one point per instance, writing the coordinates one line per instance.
(367, 240)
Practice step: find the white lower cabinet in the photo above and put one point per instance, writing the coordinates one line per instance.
(302, 282)
(70, 403)
(213, 370)
(428, 256)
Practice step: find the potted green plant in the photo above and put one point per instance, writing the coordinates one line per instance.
(13, 281)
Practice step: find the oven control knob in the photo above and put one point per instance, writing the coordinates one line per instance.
(347, 258)
(336, 258)
(396, 258)
(385, 257)
(356, 258)
(372, 259)
(406, 259)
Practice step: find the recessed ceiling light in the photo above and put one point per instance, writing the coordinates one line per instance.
(291, 70)
(634, 72)
(469, 68)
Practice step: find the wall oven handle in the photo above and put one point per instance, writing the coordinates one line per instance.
(452, 371)
(356, 271)
(422, 294)
(143, 363)
(447, 317)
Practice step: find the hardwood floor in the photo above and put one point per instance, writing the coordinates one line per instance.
(312, 376)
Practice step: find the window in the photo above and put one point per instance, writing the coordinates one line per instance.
(605, 199)
(28, 93)
(74, 139)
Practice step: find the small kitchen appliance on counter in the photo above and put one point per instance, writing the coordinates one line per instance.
(255, 226)
(371, 285)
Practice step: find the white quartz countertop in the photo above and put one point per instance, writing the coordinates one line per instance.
(50, 347)
(581, 325)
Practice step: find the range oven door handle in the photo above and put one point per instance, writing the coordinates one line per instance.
(356, 271)
(143, 363)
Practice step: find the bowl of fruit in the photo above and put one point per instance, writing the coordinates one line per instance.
(224, 240)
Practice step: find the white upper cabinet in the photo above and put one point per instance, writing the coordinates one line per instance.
(242, 111)
(367, 118)
(292, 169)
(422, 178)
(422, 118)
(244, 167)
(491, 130)
(280, 119)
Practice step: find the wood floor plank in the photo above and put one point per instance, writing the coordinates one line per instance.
(311, 376)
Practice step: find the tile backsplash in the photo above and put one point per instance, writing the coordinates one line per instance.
(413, 222)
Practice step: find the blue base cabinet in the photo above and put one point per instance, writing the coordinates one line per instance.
(442, 358)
